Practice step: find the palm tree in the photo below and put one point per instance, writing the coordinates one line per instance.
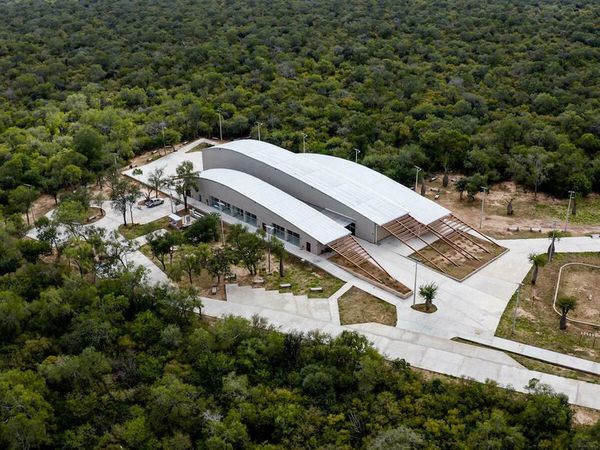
(428, 293)
(565, 304)
(554, 237)
(187, 178)
(537, 261)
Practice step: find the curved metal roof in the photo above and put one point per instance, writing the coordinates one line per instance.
(290, 209)
(351, 192)
(419, 207)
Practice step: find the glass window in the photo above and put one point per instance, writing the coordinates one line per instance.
(218, 204)
(293, 238)
(238, 213)
(278, 231)
(251, 219)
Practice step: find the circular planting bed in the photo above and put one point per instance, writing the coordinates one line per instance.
(421, 308)
(582, 281)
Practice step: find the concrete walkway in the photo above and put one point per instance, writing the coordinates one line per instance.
(333, 302)
(458, 360)
(471, 309)
(559, 359)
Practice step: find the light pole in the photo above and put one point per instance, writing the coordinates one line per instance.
(220, 204)
(485, 190)
(415, 285)
(304, 136)
(220, 124)
(356, 152)
(571, 195)
(269, 229)
(514, 322)
(258, 124)
(417, 177)
(169, 186)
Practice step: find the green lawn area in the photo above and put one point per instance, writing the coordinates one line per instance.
(357, 306)
(537, 323)
(302, 276)
(136, 230)
(588, 210)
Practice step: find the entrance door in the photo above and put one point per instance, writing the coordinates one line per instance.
(308, 247)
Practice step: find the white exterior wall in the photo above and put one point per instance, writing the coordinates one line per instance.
(223, 158)
(208, 188)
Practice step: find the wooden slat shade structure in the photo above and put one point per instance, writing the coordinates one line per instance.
(449, 229)
(349, 249)
(406, 229)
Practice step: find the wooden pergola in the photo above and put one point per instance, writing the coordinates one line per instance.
(354, 253)
(448, 229)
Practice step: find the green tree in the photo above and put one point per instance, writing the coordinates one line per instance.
(22, 198)
(246, 247)
(26, 416)
(205, 229)
(156, 181)
(566, 304)
(219, 263)
(124, 195)
(428, 292)
(186, 180)
(192, 259)
(461, 186)
(537, 261)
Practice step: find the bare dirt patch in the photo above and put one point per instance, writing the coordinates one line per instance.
(432, 257)
(371, 272)
(547, 212)
(583, 283)
(357, 306)
(537, 323)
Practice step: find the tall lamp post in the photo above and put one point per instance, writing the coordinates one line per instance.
(415, 285)
(220, 204)
(485, 191)
(269, 229)
(169, 187)
(417, 177)
(258, 124)
(514, 321)
(571, 195)
(220, 124)
(304, 136)
(356, 152)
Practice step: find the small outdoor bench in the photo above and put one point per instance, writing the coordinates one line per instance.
(285, 285)
(316, 289)
(258, 280)
(213, 290)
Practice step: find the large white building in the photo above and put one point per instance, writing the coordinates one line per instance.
(368, 204)
(261, 205)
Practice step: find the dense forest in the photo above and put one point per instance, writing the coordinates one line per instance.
(494, 90)
(113, 363)
(498, 89)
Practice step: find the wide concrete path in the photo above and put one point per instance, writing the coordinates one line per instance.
(559, 359)
(459, 360)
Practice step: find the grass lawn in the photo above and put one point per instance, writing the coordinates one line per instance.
(537, 323)
(301, 275)
(136, 230)
(199, 147)
(357, 306)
